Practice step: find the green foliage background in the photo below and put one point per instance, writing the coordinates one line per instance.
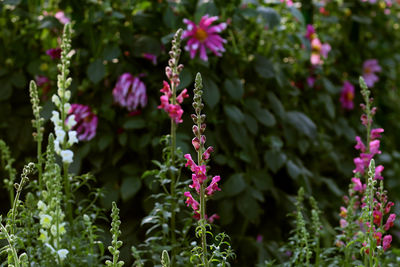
(272, 133)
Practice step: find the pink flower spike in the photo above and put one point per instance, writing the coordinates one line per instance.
(190, 201)
(166, 89)
(360, 145)
(204, 36)
(347, 96)
(376, 133)
(213, 185)
(196, 185)
(378, 171)
(387, 240)
(130, 92)
(390, 221)
(377, 217)
(86, 121)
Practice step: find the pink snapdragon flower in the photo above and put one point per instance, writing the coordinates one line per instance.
(318, 50)
(204, 36)
(54, 53)
(60, 16)
(190, 201)
(378, 172)
(130, 92)
(390, 221)
(174, 110)
(41, 80)
(360, 145)
(86, 121)
(387, 240)
(347, 96)
(358, 186)
(370, 67)
(376, 133)
(213, 185)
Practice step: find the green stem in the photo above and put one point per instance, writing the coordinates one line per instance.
(13, 251)
(39, 155)
(67, 193)
(203, 227)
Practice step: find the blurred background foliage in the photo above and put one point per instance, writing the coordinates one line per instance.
(271, 130)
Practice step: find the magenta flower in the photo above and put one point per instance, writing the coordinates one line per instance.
(378, 172)
(54, 53)
(311, 81)
(60, 16)
(377, 215)
(86, 121)
(371, 66)
(386, 242)
(374, 147)
(390, 221)
(360, 145)
(343, 223)
(289, 3)
(151, 57)
(204, 36)
(376, 133)
(213, 185)
(318, 50)
(207, 153)
(130, 92)
(174, 110)
(347, 96)
(41, 80)
(310, 33)
(191, 201)
(358, 186)
(388, 207)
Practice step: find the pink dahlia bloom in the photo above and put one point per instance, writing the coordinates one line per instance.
(86, 121)
(204, 36)
(370, 67)
(347, 96)
(130, 92)
(60, 16)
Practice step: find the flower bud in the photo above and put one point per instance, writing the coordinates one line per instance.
(203, 139)
(196, 143)
(195, 130)
(194, 117)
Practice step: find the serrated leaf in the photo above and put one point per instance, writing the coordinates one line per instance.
(234, 113)
(302, 123)
(234, 185)
(234, 88)
(274, 160)
(264, 67)
(130, 186)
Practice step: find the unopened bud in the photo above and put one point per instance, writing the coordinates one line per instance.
(195, 130)
(203, 117)
(203, 139)
(194, 118)
(196, 143)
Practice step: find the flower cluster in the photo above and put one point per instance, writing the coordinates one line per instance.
(86, 121)
(318, 49)
(370, 67)
(170, 103)
(130, 92)
(204, 36)
(200, 178)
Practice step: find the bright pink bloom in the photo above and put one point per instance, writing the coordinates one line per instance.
(343, 223)
(54, 53)
(317, 50)
(190, 201)
(347, 96)
(358, 186)
(378, 237)
(151, 57)
(86, 121)
(377, 217)
(360, 145)
(174, 111)
(213, 218)
(371, 66)
(311, 81)
(60, 16)
(289, 3)
(376, 133)
(41, 80)
(207, 153)
(196, 143)
(359, 165)
(374, 147)
(200, 172)
(190, 162)
(378, 171)
(204, 36)
(343, 212)
(196, 183)
(130, 92)
(388, 206)
(386, 242)
(390, 221)
(310, 34)
(213, 185)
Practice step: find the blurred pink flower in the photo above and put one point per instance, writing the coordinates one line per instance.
(86, 121)
(130, 92)
(317, 50)
(371, 66)
(386, 242)
(360, 145)
(204, 36)
(378, 172)
(390, 221)
(41, 80)
(347, 96)
(151, 57)
(310, 34)
(289, 3)
(54, 53)
(376, 133)
(60, 16)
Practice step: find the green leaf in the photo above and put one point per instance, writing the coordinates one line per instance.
(134, 123)
(276, 105)
(251, 123)
(326, 101)
(105, 141)
(302, 123)
(238, 133)
(211, 93)
(234, 113)
(96, 71)
(328, 85)
(332, 186)
(225, 210)
(293, 170)
(130, 186)
(18, 80)
(264, 67)
(270, 16)
(111, 52)
(5, 90)
(146, 44)
(248, 206)
(186, 78)
(274, 160)
(234, 185)
(265, 117)
(234, 88)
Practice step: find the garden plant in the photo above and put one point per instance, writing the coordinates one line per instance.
(199, 133)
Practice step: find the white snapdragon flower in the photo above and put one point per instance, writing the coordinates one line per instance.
(67, 95)
(60, 135)
(62, 253)
(67, 156)
(57, 148)
(56, 100)
(55, 118)
(45, 220)
(67, 107)
(71, 122)
(41, 205)
(43, 236)
(72, 139)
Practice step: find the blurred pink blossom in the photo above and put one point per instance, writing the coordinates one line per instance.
(370, 67)
(86, 121)
(130, 92)
(347, 96)
(62, 18)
